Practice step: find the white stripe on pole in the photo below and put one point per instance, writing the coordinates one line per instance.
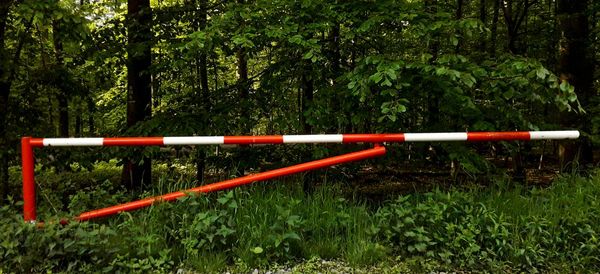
(437, 136)
(563, 134)
(194, 140)
(62, 142)
(319, 138)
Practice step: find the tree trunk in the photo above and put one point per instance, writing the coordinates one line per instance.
(514, 18)
(63, 114)
(91, 109)
(203, 59)
(307, 98)
(433, 102)
(336, 58)
(7, 75)
(203, 73)
(307, 90)
(245, 127)
(4, 92)
(494, 30)
(243, 84)
(577, 69)
(139, 94)
(459, 16)
(78, 120)
(337, 99)
(244, 91)
(434, 46)
(483, 19)
(62, 96)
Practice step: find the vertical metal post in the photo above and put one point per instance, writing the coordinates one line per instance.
(28, 180)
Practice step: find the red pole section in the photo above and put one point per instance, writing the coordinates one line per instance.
(133, 141)
(28, 180)
(499, 136)
(350, 157)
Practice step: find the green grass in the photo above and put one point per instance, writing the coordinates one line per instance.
(501, 228)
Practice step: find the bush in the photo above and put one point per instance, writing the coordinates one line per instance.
(27, 248)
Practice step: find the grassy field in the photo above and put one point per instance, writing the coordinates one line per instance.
(276, 225)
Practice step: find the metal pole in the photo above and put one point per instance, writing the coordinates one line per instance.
(28, 180)
(306, 139)
(350, 157)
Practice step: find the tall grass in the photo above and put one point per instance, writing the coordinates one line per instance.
(502, 228)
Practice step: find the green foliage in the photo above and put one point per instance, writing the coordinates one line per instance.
(518, 229)
(374, 66)
(501, 229)
(210, 230)
(27, 248)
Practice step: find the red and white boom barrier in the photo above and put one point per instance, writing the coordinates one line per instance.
(28, 143)
(298, 139)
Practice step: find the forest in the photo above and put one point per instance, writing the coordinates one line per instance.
(115, 68)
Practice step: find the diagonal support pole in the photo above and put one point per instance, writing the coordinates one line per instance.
(376, 151)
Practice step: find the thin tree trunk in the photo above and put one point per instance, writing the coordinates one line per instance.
(494, 31)
(244, 93)
(91, 109)
(5, 85)
(459, 16)
(4, 91)
(336, 71)
(78, 120)
(307, 90)
(139, 94)
(336, 59)
(63, 115)
(432, 105)
(307, 98)
(348, 114)
(245, 118)
(203, 73)
(215, 74)
(434, 46)
(243, 84)
(511, 29)
(483, 19)
(62, 97)
(7, 75)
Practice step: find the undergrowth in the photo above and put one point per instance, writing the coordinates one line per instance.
(502, 228)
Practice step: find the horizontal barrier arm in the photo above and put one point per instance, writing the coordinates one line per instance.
(319, 138)
(350, 157)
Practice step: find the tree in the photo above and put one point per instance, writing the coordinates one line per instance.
(5, 84)
(8, 69)
(202, 71)
(282, 67)
(483, 18)
(494, 30)
(62, 96)
(515, 14)
(139, 93)
(576, 68)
